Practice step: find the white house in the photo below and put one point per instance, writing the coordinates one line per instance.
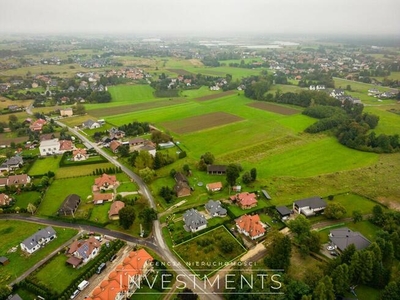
(309, 206)
(194, 221)
(49, 147)
(38, 240)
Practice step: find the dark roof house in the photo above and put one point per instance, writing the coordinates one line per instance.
(216, 169)
(215, 209)
(343, 237)
(38, 239)
(69, 205)
(283, 211)
(194, 221)
(309, 206)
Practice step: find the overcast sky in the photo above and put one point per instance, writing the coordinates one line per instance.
(366, 17)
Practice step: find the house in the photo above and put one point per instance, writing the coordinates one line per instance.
(99, 198)
(215, 209)
(5, 199)
(194, 221)
(136, 143)
(343, 237)
(114, 145)
(216, 170)
(116, 206)
(83, 251)
(320, 87)
(79, 154)
(124, 279)
(65, 145)
(309, 206)
(149, 147)
(181, 188)
(336, 93)
(38, 240)
(283, 212)
(214, 187)
(49, 147)
(105, 182)
(116, 133)
(4, 260)
(312, 88)
(245, 200)
(250, 226)
(11, 164)
(66, 112)
(90, 124)
(69, 205)
(18, 180)
(37, 125)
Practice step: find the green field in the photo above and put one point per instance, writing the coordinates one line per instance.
(12, 234)
(43, 165)
(68, 172)
(23, 199)
(206, 248)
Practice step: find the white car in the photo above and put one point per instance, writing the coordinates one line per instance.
(330, 248)
(75, 294)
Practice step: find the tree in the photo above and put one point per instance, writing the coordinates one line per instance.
(31, 208)
(391, 291)
(208, 158)
(148, 215)
(232, 174)
(80, 109)
(12, 118)
(300, 226)
(44, 181)
(246, 178)
(357, 216)
(126, 216)
(341, 279)
(335, 211)
(253, 173)
(186, 169)
(167, 193)
(324, 289)
(279, 252)
(147, 174)
(377, 215)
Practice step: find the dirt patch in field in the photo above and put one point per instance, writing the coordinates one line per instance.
(274, 108)
(215, 96)
(4, 140)
(196, 62)
(180, 72)
(198, 123)
(110, 111)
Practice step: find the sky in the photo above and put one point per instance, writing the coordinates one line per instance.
(326, 17)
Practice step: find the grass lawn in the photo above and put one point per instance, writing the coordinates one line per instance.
(23, 199)
(206, 249)
(68, 172)
(299, 264)
(57, 275)
(61, 188)
(365, 292)
(128, 94)
(43, 165)
(100, 213)
(271, 221)
(365, 227)
(354, 202)
(12, 234)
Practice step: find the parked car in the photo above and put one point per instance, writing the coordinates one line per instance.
(113, 257)
(333, 253)
(330, 248)
(74, 294)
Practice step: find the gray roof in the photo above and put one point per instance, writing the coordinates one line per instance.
(12, 161)
(88, 123)
(313, 202)
(266, 195)
(283, 210)
(214, 207)
(70, 203)
(84, 251)
(343, 237)
(34, 239)
(3, 259)
(216, 168)
(193, 218)
(15, 297)
(179, 177)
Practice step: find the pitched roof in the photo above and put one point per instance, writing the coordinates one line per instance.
(250, 224)
(34, 239)
(193, 218)
(245, 199)
(85, 248)
(344, 237)
(116, 206)
(214, 207)
(12, 161)
(179, 177)
(105, 179)
(216, 168)
(66, 145)
(18, 179)
(70, 203)
(117, 280)
(102, 196)
(313, 202)
(114, 145)
(79, 151)
(214, 186)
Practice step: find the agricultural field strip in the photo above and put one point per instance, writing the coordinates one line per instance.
(180, 71)
(110, 111)
(274, 108)
(214, 96)
(202, 122)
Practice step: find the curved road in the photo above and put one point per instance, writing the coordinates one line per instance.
(157, 242)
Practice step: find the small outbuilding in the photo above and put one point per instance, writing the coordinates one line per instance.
(283, 212)
(4, 260)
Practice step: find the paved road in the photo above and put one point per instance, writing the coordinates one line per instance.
(157, 240)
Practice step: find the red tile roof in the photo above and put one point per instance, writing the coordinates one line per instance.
(251, 225)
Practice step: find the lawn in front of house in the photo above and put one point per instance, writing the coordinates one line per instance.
(23, 199)
(12, 234)
(43, 165)
(61, 188)
(75, 171)
(209, 251)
